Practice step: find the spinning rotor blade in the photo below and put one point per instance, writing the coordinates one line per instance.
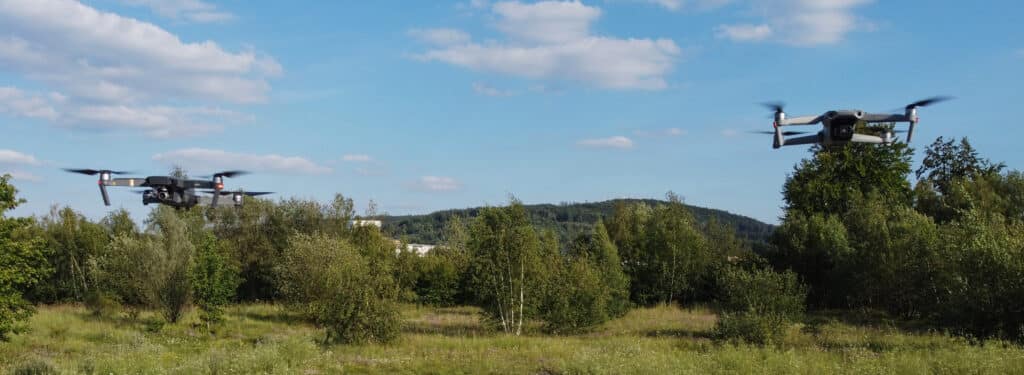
(775, 106)
(228, 174)
(249, 193)
(927, 102)
(93, 172)
(786, 133)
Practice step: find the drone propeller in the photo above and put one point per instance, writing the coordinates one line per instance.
(775, 106)
(228, 174)
(927, 102)
(785, 133)
(93, 172)
(249, 193)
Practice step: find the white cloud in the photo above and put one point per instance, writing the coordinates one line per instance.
(670, 132)
(154, 121)
(553, 40)
(801, 23)
(20, 103)
(357, 158)
(617, 142)
(210, 160)
(744, 32)
(435, 184)
(730, 133)
(193, 10)
(441, 37)
(667, 4)
(93, 60)
(11, 157)
(488, 90)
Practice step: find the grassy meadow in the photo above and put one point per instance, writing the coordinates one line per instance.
(661, 340)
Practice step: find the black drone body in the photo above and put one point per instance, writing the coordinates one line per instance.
(176, 192)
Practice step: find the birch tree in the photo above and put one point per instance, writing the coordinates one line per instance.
(505, 266)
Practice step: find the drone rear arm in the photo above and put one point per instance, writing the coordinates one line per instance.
(802, 120)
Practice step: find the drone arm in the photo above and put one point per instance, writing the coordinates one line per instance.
(103, 192)
(864, 138)
(884, 117)
(805, 140)
(802, 120)
(130, 182)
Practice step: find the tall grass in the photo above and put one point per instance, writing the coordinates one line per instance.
(264, 339)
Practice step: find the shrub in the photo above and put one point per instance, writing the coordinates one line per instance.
(578, 299)
(332, 285)
(756, 306)
(213, 281)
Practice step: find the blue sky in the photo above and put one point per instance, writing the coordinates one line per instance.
(422, 106)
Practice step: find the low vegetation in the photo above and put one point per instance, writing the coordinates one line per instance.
(263, 338)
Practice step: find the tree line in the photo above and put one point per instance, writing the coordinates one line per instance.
(947, 250)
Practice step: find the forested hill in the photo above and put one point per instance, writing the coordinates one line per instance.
(568, 219)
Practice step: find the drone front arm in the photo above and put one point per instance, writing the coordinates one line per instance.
(884, 117)
(130, 182)
(802, 120)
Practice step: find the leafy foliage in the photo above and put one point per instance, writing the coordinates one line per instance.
(335, 286)
(214, 280)
(22, 263)
(826, 182)
(506, 265)
(757, 305)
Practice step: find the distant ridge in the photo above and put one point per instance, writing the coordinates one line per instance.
(568, 220)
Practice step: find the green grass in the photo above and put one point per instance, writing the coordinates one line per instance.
(661, 340)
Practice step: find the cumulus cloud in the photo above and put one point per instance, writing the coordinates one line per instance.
(744, 32)
(435, 184)
(616, 142)
(94, 59)
(357, 158)
(441, 37)
(11, 157)
(669, 132)
(488, 90)
(667, 4)
(802, 23)
(192, 10)
(553, 40)
(17, 102)
(210, 160)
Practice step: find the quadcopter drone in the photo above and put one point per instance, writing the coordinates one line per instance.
(175, 192)
(838, 125)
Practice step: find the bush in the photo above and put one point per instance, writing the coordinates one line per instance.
(756, 306)
(213, 281)
(332, 285)
(578, 299)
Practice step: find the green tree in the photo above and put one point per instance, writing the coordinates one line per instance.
(72, 245)
(826, 182)
(578, 300)
(335, 286)
(604, 256)
(505, 265)
(674, 256)
(214, 280)
(168, 282)
(757, 306)
(817, 248)
(952, 178)
(22, 263)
